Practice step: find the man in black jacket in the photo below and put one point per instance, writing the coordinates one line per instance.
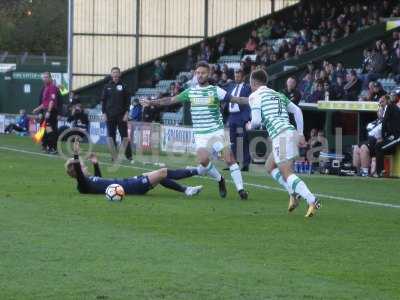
(115, 108)
(390, 131)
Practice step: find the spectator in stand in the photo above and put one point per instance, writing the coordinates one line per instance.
(305, 87)
(150, 113)
(353, 86)
(224, 80)
(377, 92)
(291, 91)
(135, 112)
(21, 126)
(205, 52)
(318, 94)
(338, 89)
(251, 44)
(222, 46)
(158, 73)
(339, 71)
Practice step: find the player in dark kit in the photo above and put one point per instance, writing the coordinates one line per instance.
(137, 185)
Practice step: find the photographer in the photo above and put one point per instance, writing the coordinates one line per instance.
(78, 121)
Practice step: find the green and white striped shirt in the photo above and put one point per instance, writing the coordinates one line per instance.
(204, 107)
(273, 108)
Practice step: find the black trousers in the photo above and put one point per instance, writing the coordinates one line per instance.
(382, 148)
(15, 127)
(50, 138)
(240, 143)
(112, 126)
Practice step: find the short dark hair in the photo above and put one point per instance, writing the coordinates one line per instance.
(203, 64)
(260, 76)
(115, 68)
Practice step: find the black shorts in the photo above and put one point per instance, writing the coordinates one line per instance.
(370, 143)
(138, 185)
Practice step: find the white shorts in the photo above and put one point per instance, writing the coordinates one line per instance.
(213, 141)
(285, 146)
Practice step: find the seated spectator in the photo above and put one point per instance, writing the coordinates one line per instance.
(291, 91)
(135, 112)
(339, 72)
(377, 92)
(224, 80)
(251, 44)
(21, 126)
(353, 87)
(390, 131)
(150, 113)
(318, 94)
(338, 89)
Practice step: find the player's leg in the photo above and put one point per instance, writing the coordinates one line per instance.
(125, 144)
(111, 138)
(236, 174)
(275, 173)
(285, 150)
(365, 160)
(161, 177)
(204, 145)
(356, 157)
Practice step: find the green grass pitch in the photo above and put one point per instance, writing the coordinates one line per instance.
(58, 244)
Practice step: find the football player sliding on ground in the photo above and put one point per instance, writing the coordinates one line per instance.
(208, 126)
(137, 185)
(272, 109)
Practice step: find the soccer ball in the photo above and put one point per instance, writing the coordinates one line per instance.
(115, 192)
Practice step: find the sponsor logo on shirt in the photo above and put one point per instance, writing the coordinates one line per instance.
(119, 87)
(202, 100)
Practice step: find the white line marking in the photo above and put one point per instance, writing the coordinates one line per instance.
(260, 186)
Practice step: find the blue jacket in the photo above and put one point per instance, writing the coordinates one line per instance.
(23, 121)
(136, 113)
(245, 113)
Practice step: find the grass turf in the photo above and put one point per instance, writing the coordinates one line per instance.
(58, 244)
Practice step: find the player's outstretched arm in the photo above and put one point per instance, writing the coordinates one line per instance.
(240, 100)
(298, 117)
(95, 162)
(166, 101)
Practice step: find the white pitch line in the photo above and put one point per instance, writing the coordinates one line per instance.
(260, 186)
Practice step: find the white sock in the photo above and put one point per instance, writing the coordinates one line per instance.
(236, 176)
(201, 170)
(364, 170)
(213, 172)
(277, 176)
(299, 187)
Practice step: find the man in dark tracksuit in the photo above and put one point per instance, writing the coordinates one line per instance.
(115, 107)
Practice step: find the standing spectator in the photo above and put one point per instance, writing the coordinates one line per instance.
(239, 115)
(190, 60)
(305, 87)
(21, 126)
(291, 91)
(377, 92)
(48, 109)
(115, 107)
(222, 47)
(158, 73)
(353, 87)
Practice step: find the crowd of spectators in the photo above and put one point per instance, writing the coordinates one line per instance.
(291, 35)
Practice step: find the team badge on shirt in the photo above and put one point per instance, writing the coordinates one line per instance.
(119, 87)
